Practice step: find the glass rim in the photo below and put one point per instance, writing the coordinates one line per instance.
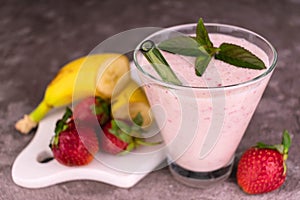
(177, 28)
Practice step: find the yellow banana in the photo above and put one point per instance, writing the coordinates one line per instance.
(90, 75)
(131, 101)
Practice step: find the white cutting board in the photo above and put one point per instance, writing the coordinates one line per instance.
(121, 171)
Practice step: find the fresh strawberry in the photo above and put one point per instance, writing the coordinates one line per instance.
(262, 168)
(111, 141)
(73, 146)
(120, 136)
(91, 111)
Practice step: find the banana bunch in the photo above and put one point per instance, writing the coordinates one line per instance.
(87, 76)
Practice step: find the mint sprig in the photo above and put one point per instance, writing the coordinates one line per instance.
(203, 49)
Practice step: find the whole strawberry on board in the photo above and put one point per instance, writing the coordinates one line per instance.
(121, 137)
(92, 111)
(73, 146)
(262, 168)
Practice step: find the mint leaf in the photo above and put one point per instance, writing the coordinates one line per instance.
(202, 36)
(182, 45)
(238, 56)
(201, 64)
(188, 46)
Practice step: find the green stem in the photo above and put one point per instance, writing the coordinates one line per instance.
(40, 111)
(286, 142)
(158, 62)
(143, 143)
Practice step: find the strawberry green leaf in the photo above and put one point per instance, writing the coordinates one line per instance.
(182, 45)
(129, 148)
(286, 142)
(239, 56)
(99, 100)
(277, 147)
(125, 137)
(96, 110)
(61, 124)
(120, 130)
(267, 146)
(143, 143)
(138, 120)
(114, 127)
(105, 107)
(67, 114)
(100, 107)
(123, 126)
(282, 148)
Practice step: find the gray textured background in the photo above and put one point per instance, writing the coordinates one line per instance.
(38, 37)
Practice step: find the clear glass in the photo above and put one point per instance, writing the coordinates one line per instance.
(203, 126)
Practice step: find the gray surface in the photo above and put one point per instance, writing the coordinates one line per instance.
(37, 37)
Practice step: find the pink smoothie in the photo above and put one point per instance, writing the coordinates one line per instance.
(202, 126)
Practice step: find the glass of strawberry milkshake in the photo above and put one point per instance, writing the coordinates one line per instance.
(202, 115)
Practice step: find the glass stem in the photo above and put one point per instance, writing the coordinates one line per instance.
(158, 62)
